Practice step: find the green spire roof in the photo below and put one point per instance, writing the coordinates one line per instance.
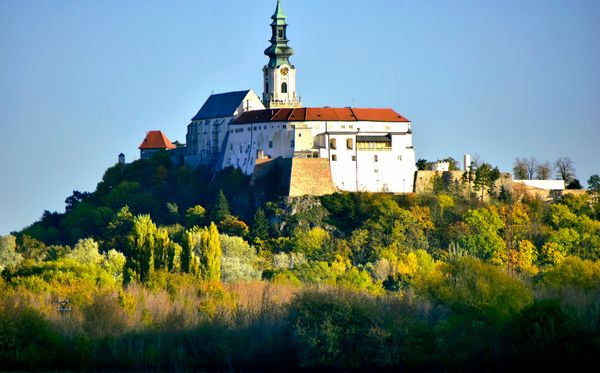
(279, 14)
(279, 52)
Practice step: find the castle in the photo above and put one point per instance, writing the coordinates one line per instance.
(349, 149)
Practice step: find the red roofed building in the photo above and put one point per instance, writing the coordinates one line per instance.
(367, 149)
(153, 142)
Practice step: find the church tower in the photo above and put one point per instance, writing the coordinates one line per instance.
(279, 74)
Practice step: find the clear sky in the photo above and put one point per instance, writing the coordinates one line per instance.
(82, 81)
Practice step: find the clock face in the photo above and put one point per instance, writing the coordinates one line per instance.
(284, 71)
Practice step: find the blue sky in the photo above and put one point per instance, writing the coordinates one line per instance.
(82, 81)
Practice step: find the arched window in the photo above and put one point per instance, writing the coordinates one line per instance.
(283, 87)
(266, 87)
(349, 144)
(332, 143)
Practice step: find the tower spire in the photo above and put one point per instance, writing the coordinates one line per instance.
(279, 73)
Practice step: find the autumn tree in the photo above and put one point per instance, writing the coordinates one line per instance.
(8, 253)
(482, 238)
(520, 170)
(565, 170)
(141, 243)
(189, 260)
(210, 255)
(202, 253)
(543, 171)
(195, 216)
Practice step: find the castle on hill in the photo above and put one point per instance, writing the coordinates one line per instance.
(323, 149)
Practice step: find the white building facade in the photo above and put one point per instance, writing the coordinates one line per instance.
(368, 149)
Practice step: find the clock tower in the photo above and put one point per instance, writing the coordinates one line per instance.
(279, 74)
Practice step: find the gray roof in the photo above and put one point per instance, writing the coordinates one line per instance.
(221, 105)
(374, 138)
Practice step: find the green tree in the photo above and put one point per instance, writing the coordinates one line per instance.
(470, 287)
(422, 164)
(202, 253)
(141, 243)
(32, 249)
(210, 255)
(221, 208)
(483, 238)
(239, 261)
(113, 263)
(9, 256)
(85, 252)
(594, 187)
(189, 260)
(195, 216)
(311, 242)
(260, 225)
(485, 178)
(166, 253)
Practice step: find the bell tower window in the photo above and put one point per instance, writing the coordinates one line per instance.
(284, 87)
(280, 33)
(266, 87)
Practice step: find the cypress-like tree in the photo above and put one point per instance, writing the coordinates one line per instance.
(260, 225)
(221, 208)
(210, 254)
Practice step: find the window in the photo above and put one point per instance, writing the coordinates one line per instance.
(299, 135)
(349, 144)
(293, 143)
(270, 144)
(284, 87)
(266, 87)
(332, 143)
(375, 158)
(353, 158)
(334, 157)
(399, 157)
(280, 33)
(376, 171)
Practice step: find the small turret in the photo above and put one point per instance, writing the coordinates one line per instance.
(121, 158)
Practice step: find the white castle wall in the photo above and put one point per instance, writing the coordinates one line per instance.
(352, 169)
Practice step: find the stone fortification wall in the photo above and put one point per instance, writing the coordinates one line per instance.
(294, 176)
(310, 176)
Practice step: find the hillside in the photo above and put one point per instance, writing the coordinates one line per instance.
(167, 268)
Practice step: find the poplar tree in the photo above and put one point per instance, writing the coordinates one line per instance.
(210, 254)
(189, 260)
(141, 243)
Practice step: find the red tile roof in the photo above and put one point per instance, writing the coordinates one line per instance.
(156, 140)
(320, 114)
